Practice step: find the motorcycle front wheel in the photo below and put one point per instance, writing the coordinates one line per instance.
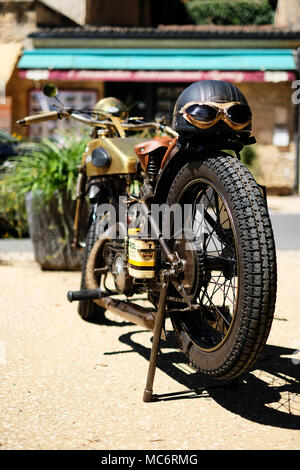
(230, 271)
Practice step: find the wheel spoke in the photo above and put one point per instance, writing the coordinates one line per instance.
(217, 292)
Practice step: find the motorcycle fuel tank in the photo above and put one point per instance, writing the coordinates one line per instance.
(111, 156)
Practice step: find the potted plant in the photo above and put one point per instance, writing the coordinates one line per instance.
(44, 176)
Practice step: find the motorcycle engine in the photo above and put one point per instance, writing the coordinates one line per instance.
(123, 280)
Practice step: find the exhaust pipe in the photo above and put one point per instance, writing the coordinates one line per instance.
(128, 311)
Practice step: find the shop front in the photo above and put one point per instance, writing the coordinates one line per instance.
(150, 80)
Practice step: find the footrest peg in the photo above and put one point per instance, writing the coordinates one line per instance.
(89, 294)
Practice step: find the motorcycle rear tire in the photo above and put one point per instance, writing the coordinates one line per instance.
(237, 350)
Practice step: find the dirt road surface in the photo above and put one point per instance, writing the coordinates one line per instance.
(70, 384)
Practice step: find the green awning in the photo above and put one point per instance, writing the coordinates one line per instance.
(158, 59)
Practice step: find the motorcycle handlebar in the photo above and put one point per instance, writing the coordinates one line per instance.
(52, 115)
(170, 131)
(151, 125)
(28, 120)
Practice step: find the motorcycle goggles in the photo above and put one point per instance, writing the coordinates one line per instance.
(206, 114)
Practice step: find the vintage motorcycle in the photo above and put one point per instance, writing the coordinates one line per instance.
(178, 218)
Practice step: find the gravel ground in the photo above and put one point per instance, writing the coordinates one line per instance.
(70, 384)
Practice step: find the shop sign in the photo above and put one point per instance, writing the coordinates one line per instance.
(158, 76)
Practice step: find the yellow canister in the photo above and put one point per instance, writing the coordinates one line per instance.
(141, 256)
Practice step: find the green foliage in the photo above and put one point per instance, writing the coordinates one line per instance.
(248, 156)
(13, 220)
(6, 138)
(13, 217)
(44, 168)
(47, 169)
(230, 12)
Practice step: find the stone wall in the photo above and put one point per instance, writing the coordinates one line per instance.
(276, 169)
(17, 20)
(273, 109)
(271, 105)
(288, 14)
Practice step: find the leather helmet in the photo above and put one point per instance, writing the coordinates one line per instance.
(214, 92)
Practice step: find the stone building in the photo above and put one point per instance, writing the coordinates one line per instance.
(96, 48)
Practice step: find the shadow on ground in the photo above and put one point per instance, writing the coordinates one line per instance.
(269, 394)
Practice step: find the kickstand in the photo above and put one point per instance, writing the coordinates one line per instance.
(159, 321)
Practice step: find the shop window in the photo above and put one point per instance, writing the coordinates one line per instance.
(78, 99)
(136, 96)
(148, 100)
